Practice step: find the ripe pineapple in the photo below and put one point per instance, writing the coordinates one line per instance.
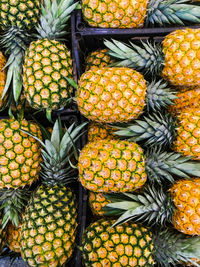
(180, 206)
(178, 61)
(13, 238)
(110, 95)
(47, 61)
(185, 99)
(136, 14)
(134, 245)
(2, 78)
(182, 135)
(97, 202)
(98, 131)
(19, 153)
(17, 19)
(49, 224)
(98, 59)
(120, 166)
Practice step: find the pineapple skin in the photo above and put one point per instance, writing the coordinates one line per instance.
(49, 227)
(111, 95)
(97, 202)
(2, 79)
(13, 238)
(47, 64)
(114, 14)
(182, 57)
(97, 59)
(125, 245)
(186, 197)
(188, 133)
(98, 131)
(20, 154)
(112, 166)
(19, 13)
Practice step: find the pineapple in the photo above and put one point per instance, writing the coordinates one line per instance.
(17, 19)
(121, 166)
(13, 238)
(98, 59)
(179, 205)
(19, 153)
(97, 201)
(98, 131)
(182, 135)
(137, 13)
(48, 61)
(50, 220)
(178, 60)
(132, 245)
(2, 78)
(185, 99)
(118, 94)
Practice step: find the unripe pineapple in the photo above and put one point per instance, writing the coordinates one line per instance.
(2, 78)
(135, 14)
(118, 94)
(178, 60)
(121, 166)
(19, 153)
(13, 238)
(98, 59)
(98, 131)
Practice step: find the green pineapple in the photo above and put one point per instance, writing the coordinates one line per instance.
(50, 220)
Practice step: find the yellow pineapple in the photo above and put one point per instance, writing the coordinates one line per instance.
(118, 94)
(121, 166)
(98, 59)
(2, 78)
(178, 60)
(97, 202)
(137, 13)
(13, 238)
(19, 153)
(98, 131)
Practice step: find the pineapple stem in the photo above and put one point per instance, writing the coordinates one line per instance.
(172, 12)
(147, 58)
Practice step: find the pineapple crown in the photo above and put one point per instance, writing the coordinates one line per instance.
(156, 129)
(147, 58)
(57, 153)
(53, 19)
(172, 12)
(173, 247)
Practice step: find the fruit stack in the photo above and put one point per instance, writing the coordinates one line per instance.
(136, 103)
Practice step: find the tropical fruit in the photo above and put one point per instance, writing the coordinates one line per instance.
(50, 220)
(178, 60)
(98, 131)
(180, 206)
(97, 202)
(13, 238)
(97, 59)
(121, 166)
(48, 61)
(182, 135)
(19, 153)
(118, 94)
(136, 14)
(2, 78)
(132, 245)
